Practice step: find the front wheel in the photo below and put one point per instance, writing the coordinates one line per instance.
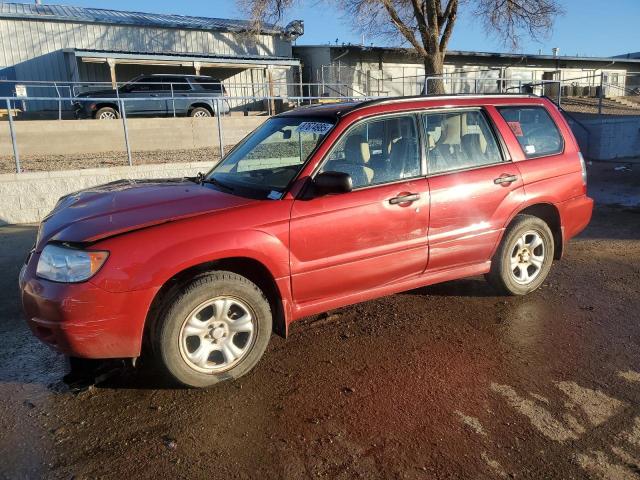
(107, 113)
(215, 329)
(524, 257)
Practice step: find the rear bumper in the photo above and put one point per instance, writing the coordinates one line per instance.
(83, 320)
(576, 215)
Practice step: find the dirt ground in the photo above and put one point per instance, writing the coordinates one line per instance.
(449, 381)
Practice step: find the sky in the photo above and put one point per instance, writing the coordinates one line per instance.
(588, 27)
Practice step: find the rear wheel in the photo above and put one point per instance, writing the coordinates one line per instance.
(215, 329)
(199, 112)
(524, 257)
(107, 113)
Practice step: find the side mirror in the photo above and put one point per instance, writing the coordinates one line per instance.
(333, 182)
(286, 134)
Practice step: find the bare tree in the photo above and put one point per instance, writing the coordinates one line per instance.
(427, 25)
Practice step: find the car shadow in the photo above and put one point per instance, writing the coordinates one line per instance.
(468, 287)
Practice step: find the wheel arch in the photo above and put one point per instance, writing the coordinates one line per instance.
(104, 105)
(205, 105)
(550, 214)
(247, 267)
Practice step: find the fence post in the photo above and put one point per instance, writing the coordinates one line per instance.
(559, 94)
(173, 100)
(123, 115)
(16, 154)
(220, 141)
(601, 92)
(59, 101)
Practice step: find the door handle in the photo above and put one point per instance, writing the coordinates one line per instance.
(409, 198)
(505, 179)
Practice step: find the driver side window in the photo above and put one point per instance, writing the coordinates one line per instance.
(378, 151)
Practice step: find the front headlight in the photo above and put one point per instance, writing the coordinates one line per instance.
(69, 265)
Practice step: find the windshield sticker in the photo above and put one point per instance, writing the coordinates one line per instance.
(516, 128)
(274, 195)
(319, 128)
(530, 149)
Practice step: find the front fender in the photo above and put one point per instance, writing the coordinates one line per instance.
(148, 258)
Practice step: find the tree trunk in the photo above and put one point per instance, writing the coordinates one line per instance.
(434, 66)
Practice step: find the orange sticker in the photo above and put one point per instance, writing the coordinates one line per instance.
(516, 128)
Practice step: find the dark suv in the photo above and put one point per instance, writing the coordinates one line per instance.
(156, 96)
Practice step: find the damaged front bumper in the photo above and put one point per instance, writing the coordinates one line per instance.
(83, 320)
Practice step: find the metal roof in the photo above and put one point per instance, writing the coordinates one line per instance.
(463, 53)
(120, 17)
(203, 58)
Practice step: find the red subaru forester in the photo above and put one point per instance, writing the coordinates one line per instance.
(318, 208)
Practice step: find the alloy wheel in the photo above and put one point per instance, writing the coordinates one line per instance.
(527, 257)
(217, 334)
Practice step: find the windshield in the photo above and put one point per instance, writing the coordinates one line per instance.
(264, 164)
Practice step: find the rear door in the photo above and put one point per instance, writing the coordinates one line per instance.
(374, 235)
(474, 187)
(145, 97)
(178, 90)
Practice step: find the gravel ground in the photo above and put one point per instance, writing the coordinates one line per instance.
(448, 381)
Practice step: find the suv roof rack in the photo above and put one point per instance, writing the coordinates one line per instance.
(385, 100)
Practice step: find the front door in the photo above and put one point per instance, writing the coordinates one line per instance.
(474, 188)
(146, 96)
(375, 235)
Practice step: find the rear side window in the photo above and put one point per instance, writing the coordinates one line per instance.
(210, 85)
(178, 84)
(459, 140)
(536, 132)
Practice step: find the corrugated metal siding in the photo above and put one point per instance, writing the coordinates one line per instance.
(98, 15)
(25, 39)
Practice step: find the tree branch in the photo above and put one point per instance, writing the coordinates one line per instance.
(402, 27)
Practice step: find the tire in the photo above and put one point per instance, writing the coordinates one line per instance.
(107, 113)
(524, 257)
(199, 112)
(197, 320)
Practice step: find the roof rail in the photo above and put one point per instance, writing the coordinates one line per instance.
(386, 100)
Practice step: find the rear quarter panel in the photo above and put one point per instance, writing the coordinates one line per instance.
(552, 179)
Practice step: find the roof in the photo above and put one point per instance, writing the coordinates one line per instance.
(338, 109)
(119, 17)
(127, 56)
(466, 53)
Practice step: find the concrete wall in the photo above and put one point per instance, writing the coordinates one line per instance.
(62, 137)
(607, 137)
(28, 197)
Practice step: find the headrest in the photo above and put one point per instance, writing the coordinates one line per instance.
(451, 131)
(356, 149)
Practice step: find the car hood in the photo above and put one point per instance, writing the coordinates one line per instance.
(126, 205)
